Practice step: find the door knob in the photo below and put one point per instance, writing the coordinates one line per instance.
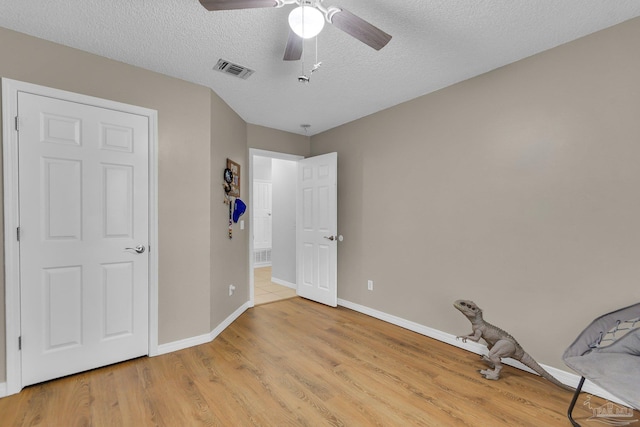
(332, 238)
(139, 249)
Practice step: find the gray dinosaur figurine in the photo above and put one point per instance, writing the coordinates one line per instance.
(500, 344)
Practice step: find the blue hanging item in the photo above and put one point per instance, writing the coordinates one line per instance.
(238, 209)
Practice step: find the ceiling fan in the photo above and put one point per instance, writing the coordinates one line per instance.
(307, 20)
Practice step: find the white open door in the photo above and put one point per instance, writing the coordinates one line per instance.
(317, 224)
(83, 190)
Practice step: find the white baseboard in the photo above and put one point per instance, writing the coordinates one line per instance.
(202, 339)
(229, 320)
(3, 389)
(284, 283)
(182, 344)
(564, 377)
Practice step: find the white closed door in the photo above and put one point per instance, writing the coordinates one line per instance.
(262, 218)
(316, 229)
(83, 197)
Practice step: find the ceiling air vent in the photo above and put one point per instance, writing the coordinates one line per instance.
(236, 70)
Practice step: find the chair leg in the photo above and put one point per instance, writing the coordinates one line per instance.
(573, 403)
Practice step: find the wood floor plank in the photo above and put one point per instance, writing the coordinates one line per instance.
(298, 363)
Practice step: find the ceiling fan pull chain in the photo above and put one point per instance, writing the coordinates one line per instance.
(302, 6)
(318, 63)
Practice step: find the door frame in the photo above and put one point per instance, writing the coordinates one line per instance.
(260, 153)
(10, 89)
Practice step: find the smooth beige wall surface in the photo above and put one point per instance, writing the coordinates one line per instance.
(278, 141)
(186, 115)
(229, 257)
(518, 189)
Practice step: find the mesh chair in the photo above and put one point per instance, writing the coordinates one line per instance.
(607, 353)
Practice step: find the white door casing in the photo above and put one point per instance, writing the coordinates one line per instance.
(84, 191)
(317, 223)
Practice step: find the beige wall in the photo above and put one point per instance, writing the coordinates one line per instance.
(268, 139)
(229, 257)
(518, 189)
(196, 132)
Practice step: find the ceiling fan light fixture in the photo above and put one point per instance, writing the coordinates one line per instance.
(306, 21)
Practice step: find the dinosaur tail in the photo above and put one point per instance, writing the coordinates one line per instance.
(529, 362)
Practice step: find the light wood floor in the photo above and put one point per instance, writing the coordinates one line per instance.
(265, 290)
(298, 363)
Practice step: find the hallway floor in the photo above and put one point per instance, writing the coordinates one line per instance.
(265, 290)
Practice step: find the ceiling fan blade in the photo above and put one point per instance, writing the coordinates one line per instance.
(236, 4)
(293, 51)
(360, 29)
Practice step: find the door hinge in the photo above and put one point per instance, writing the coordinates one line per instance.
(18, 233)
(20, 342)
(17, 123)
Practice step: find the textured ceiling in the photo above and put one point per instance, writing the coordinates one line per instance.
(435, 43)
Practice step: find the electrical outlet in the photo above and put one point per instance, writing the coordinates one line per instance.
(231, 289)
(370, 285)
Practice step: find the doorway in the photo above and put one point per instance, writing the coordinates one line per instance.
(272, 263)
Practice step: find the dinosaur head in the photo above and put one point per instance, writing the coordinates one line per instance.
(468, 308)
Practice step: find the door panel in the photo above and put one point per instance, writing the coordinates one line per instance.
(317, 221)
(117, 206)
(60, 130)
(63, 307)
(118, 288)
(83, 185)
(62, 204)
